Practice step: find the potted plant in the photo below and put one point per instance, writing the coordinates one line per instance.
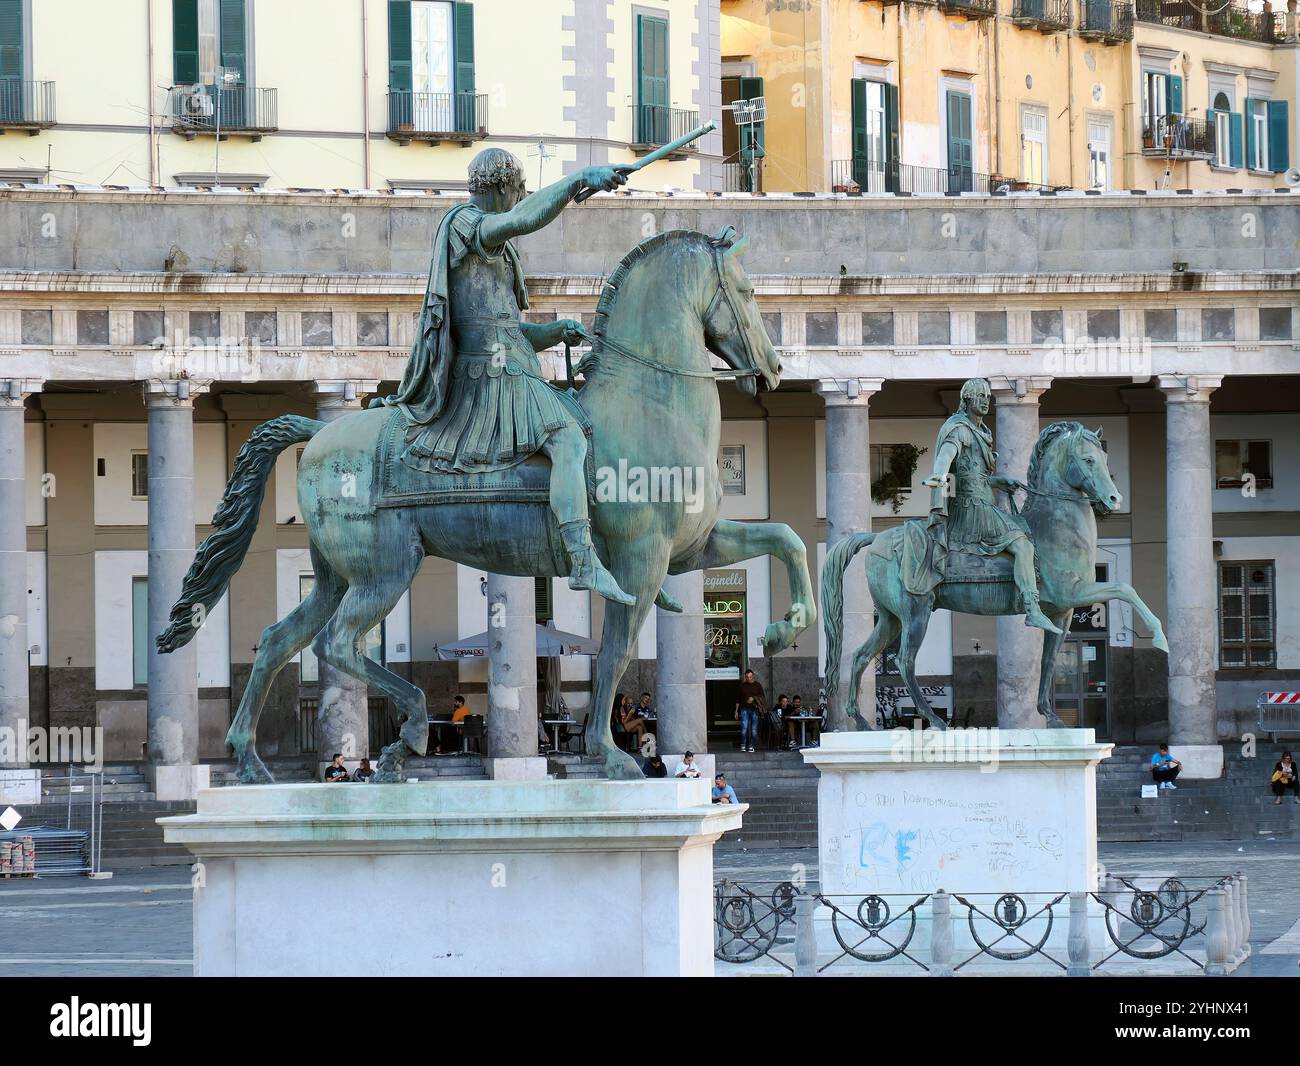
(893, 485)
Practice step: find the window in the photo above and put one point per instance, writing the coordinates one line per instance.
(260, 327)
(38, 327)
(1246, 607)
(1275, 323)
(92, 327)
(139, 475)
(1160, 324)
(878, 328)
(207, 34)
(875, 135)
(887, 459)
(934, 327)
(431, 79)
(1046, 326)
(147, 328)
(1227, 130)
(1155, 104)
(1257, 134)
(961, 144)
(990, 327)
(542, 598)
(1218, 324)
(743, 142)
(653, 125)
(1033, 145)
(823, 329)
(318, 329)
(372, 329)
(1099, 155)
(139, 630)
(1103, 325)
(772, 323)
(1234, 459)
(205, 327)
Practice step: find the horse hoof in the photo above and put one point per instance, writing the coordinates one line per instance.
(1159, 643)
(778, 637)
(252, 771)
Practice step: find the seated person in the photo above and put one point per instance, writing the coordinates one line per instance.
(459, 710)
(654, 766)
(629, 716)
(364, 772)
(336, 771)
(723, 792)
(645, 707)
(798, 710)
(687, 767)
(1164, 768)
(1285, 778)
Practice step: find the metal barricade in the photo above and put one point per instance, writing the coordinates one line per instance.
(66, 832)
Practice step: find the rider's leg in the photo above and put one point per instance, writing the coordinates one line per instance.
(1023, 554)
(567, 450)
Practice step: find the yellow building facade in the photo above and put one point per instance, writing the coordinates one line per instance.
(354, 94)
(982, 95)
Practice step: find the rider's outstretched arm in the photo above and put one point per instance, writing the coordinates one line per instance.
(535, 211)
(942, 463)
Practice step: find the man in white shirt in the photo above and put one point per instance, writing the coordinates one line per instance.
(687, 767)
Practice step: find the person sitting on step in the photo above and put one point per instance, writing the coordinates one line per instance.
(1285, 778)
(1164, 768)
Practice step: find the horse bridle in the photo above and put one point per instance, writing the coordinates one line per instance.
(722, 294)
(1081, 497)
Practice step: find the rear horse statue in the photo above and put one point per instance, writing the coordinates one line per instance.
(973, 557)
(477, 459)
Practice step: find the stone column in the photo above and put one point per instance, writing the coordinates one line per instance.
(173, 678)
(848, 510)
(1020, 648)
(512, 679)
(679, 670)
(14, 638)
(343, 716)
(1192, 623)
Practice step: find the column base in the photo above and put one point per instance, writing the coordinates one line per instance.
(171, 784)
(518, 768)
(1201, 762)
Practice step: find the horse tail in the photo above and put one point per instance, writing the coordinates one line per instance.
(222, 551)
(837, 561)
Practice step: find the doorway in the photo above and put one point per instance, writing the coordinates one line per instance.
(1081, 692)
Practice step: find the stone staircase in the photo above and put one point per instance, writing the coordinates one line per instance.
(781, 791)
(1238, 806)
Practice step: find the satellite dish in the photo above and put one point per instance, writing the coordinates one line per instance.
(1292, 178)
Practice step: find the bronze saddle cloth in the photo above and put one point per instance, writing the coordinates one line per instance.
(953, 566)
(399, 485)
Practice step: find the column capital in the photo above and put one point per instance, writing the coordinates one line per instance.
(174, 392)
(1189, 388)
(14, 391)
(850, 392)
(346, 393)
(1019, 390)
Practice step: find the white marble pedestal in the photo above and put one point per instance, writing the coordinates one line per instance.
(459, 878)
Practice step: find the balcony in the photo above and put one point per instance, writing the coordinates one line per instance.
(1045, 16)
(857, 176)
(460, 118)
(972, 9)
(1107, 21)
(654, 126)
(222, 111)
(26, 105)
(739, 177)
(1234, 20)
(1174, 137)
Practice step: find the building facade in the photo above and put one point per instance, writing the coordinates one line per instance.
(1171, 322)
(369, 94)
(928, 96)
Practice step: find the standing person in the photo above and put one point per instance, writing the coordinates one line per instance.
(336, 771)
(749, 705)
(1285, 778)
(1164, 768)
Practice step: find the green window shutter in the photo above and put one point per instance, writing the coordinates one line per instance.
(1175, 102)
(652, 80)
(1235, 124)
(752, 89)
(11, 60)
(234, 37)
(185, 42)
(1247, 113)
(961, 154)
(399, 46)
(1279, 149)
(463, 54)
(861, 164)
(891, 126)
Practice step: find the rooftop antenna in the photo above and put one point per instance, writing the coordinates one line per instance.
(543, 152)
(749, 116)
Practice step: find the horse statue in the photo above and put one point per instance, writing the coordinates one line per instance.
(650, 403)
(1069, 485)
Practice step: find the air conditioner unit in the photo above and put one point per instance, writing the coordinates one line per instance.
(195, 102)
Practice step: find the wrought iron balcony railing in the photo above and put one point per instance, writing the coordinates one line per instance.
(26, 105)
(213, 109)
(1233, 20)
(740, 177)
(1109, 21)
(1046, 16)
(867, 176)
(1174, 137)
(975, 9)
(433, 117)
(654, 125)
